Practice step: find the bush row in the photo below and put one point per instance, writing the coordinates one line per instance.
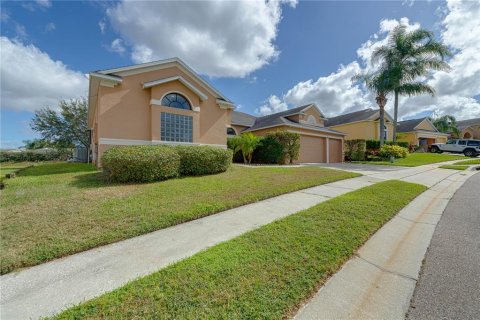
(158, 162)
(375, 144)
(387, 151)
(33, 156)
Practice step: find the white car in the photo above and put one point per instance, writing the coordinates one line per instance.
(470, 148)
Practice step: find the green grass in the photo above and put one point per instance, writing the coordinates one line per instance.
(454, 167)
(9, 167)
(52, 210)
(468, 162)
(418, 159)
(264, 274)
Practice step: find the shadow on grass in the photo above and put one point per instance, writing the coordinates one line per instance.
(97, 180)
(56, 168)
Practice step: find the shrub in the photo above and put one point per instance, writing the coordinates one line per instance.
(202, 160)
(290, 142)
(375, 144)
(355, 150)
(35, 155)
(387, 151)
(141, 163)
(269, 151)
(232, 144)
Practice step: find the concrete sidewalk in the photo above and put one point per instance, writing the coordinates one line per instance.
(378, 282)
(46, 289)
(449, 284)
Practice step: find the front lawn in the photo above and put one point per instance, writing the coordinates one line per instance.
(418, 159)
(264, 274)
(52, 210)
(468, 162)
(9, 167)
(454, 167)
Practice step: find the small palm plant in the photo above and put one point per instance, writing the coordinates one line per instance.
(446, 124)
(247, 144)
(407, 56)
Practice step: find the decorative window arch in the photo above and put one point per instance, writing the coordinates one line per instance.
(231, 132)
(176, 100)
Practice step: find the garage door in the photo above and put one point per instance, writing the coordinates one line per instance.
(312, 149)
(335, 152)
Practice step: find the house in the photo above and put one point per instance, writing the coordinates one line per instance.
(470, 129)
(363, 124)
(161, 102)
(420, 132)
(317, 143)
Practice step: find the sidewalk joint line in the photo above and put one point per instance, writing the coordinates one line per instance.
(411, 220)
(386, 270)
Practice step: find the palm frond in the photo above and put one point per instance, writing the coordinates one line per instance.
(415, 88)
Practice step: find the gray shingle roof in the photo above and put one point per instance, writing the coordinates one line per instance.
(467, 123)
(243, 119)
(350, 117)
(408, 125)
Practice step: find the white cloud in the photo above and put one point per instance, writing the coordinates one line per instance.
(117, 46)
(50, 27)
(102, 25)
(236, 39)
(30, 79)
(44, 3)
(32, 6)
(272, 105)
(457, 91)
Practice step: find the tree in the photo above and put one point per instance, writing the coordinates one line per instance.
(380, 84)
(246, 143)
(35, 144)
(291, 144)
(64, 128)
(407, 56)
(446, 124)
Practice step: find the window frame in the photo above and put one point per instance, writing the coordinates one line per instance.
(177, 93)
(179, 128)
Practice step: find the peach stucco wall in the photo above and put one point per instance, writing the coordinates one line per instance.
(368, 130)
(412, 137)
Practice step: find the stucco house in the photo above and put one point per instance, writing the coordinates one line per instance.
(161, 102)
(420, 132)
(318, 144)
(470, 129)
(363, 124)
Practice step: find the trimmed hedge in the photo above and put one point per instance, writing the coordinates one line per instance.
(141, 163)
(375, 144)
(202, 160)
(355, 150)
(33, 156)
(387, 151)
(270, 151)
(159, 162)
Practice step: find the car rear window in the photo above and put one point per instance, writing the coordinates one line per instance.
(473, 143)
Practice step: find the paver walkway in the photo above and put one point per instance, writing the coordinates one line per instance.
(378, 282)
(51, 287)
(449, 284)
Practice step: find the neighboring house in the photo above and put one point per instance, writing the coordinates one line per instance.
(364, 124)
(317, 143)
(162, 102)
(420, 132)
(470, 129)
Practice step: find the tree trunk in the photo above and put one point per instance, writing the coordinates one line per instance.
(395, 117)
(381, 100)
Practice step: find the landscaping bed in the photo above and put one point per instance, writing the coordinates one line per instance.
(52, 210)
(264, 274)
(416, 159)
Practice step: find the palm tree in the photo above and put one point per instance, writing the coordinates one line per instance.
(380, 84)
(407, 56)
(446, 124)
(247, 144)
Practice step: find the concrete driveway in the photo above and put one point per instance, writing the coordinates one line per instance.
(364, 169)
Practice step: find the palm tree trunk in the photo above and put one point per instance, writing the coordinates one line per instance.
(395, 116)
(381, 100)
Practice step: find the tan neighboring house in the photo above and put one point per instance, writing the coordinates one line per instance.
(420, 132)
(318, 144)
(470, 129)
(162, 102)
(363, 124)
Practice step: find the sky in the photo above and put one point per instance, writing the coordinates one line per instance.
(264, 56)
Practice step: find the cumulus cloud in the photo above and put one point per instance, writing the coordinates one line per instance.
(30, 79)
(272, 105)
(457, 91)
(102, 25)
(236, 39)
(117, 46)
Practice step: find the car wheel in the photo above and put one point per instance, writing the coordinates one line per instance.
(434, 149)
(469, 153)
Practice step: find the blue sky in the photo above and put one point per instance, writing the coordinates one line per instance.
(278, 56)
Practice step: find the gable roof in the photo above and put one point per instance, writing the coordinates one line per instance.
(411, 125)
(243, 119)
(280, 118)
(362, 115)
(467, 123)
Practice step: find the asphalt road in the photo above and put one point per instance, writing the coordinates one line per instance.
(449, 284)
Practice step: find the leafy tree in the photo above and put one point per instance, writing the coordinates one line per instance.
(246, 143)
(35, 144)
(380, 84)
(291, 144)
(407, 56)
(446, 124)
(64, 128)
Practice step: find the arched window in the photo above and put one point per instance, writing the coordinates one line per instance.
(176, 100)
(231, 132)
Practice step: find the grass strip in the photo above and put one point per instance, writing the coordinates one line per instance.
(417, 159)
(264, 274)
(454, 167)
(468, 162)
(53, 210)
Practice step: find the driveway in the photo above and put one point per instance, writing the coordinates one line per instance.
(449, 283)
(365, 169)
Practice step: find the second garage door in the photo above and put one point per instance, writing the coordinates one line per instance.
(312, 149)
